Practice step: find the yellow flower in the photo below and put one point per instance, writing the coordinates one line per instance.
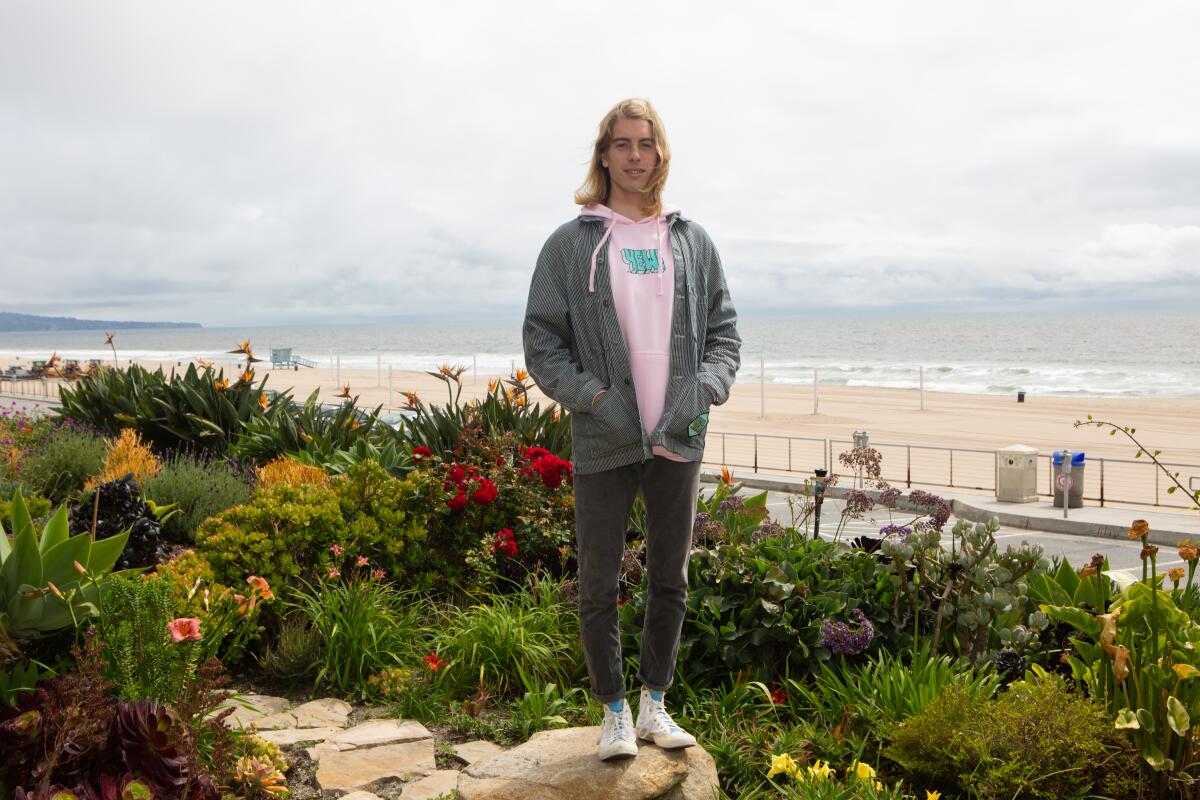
(782, 763)
(861, 770)
(933, 794)
(820, 771)
(879, 786)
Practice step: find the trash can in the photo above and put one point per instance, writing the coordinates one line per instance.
(1075, 487)
(1016, 474)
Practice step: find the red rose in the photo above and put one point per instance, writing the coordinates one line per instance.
(458, 502)
(457, 474)
(421, 451)
(486, 492)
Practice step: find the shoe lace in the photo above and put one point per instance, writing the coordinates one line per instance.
(616, 725)
(663, 719)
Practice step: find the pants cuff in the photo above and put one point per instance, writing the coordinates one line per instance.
(609, 698)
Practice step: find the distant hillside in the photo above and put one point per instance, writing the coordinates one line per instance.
(10, 322)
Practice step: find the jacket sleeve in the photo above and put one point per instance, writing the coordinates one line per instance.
(550, 355)
(722, 344)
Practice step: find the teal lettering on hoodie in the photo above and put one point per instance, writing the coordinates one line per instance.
(641, 261)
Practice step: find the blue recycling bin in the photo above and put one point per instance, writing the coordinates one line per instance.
(1075, 489)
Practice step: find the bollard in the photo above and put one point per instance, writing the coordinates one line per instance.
(1066, 480)
(818, 498)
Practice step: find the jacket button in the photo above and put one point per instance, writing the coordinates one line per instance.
(606, 304)
(627, 381)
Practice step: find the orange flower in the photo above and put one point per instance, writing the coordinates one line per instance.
(726, 476)
(204, 362)
(1088, 571)
(263, 402)
(411, 400)
(261, 586)
(522, 374)
(345, 392)
(1176, 574)
(1188, 551)
(491, 385)
(221, 385)
(1139, 529)
(247, 376)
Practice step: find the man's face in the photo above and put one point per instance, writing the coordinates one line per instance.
(631, 157)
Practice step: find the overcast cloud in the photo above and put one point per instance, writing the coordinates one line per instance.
(232, 163)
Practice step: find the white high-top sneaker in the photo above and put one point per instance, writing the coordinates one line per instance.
(616, 733)
(655, 723)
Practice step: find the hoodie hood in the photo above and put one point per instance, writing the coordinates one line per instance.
(612, 218)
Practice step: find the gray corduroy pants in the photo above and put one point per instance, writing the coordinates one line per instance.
(603, 501)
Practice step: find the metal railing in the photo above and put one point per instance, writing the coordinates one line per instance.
(1106, 480)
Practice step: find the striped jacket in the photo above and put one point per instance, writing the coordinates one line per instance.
(574, 346)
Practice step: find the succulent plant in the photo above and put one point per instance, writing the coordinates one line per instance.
(152, 740)
(122, 508)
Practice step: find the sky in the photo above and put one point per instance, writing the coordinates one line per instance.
(294, 162)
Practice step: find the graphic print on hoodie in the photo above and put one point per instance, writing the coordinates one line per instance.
(642, 275)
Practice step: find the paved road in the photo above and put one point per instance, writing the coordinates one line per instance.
(1122, 554)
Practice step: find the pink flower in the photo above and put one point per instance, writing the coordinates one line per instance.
(337, 549)
(378, 574)
(334, 572)
(184, 629)
(362, 561)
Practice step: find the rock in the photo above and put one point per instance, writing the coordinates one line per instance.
(563, 763)
(476, 751)
(441, 782)
(289, 736)
(358, 769)
(360, 796)
(327, 711)
(316, 751)
(381, 731)
(274, 722)
(249, 707)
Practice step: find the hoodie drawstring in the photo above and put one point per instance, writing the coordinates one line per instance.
(608, 226)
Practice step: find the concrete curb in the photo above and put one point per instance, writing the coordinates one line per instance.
(982, 512)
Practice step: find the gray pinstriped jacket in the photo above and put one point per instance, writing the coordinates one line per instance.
(574, 346)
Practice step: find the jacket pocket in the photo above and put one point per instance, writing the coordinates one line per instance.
(587, 330)
(689, 420)
(608, 426)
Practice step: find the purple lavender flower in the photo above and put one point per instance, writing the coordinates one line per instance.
(895, 530)
(937, 508)
(838, 637)
(732, 503)
(701, 521)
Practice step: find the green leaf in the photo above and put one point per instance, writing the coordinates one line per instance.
(56, 531)
(105, 552)
(1075, 617)
(58, 562)
(20, 514)
(1127, 720)
(1154, 757)
(24, 564)
(1177, 716)
(1146, 720)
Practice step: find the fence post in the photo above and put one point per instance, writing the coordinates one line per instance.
(1102, 483)
(1155, 487)
(762, 389)
(922, 374)
(908, 466)
(723, 461)
(951, 469)
(756, 453)
(789, 454)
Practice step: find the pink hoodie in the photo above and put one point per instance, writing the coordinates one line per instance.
(639, 255)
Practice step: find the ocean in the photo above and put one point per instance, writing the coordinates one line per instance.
(1102, 354)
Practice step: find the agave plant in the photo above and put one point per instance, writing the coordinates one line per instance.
(48, 581)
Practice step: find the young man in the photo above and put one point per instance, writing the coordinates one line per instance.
(630, 326)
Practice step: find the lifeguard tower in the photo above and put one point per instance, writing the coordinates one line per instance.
(282, 358)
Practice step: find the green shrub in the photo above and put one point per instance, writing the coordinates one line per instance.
(195, 408)
(38, 507)
(289, 532)
(362, 626)
(758, 607)
(292, 428)
(526, 633)
(144, 661)
(199, 489)
(60, 461)
(1037, 740)
(294, 652)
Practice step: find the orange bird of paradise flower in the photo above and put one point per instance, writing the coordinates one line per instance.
(221, 384)
(263, 402)
(522, 375)
(726, 476)
(345, 392)
(204, 362)
(108, 338)
(247, 376)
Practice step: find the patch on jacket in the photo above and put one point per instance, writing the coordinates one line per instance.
(698, 425)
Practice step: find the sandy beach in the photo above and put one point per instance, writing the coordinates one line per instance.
(893, 419)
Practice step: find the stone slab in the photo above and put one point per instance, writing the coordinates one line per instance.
(350, 770)
(360, 796)
(381, 731)
(327, 711)
(250, 707)
(475, 751)
(289, 736)
(563, 763)
(437, 784)
(274, 722)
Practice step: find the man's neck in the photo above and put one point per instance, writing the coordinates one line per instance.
(627, 205)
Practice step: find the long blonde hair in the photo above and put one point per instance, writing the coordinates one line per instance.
(598, 185)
